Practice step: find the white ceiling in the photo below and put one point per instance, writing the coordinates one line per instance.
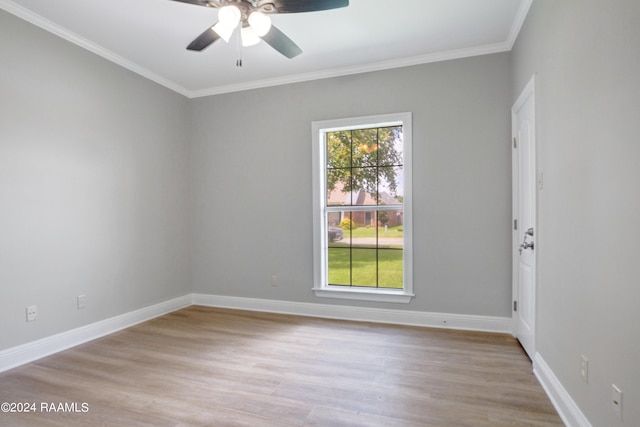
(150, 36)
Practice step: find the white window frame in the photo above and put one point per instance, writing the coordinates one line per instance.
(320, 244)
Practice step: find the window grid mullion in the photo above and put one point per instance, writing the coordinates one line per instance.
(351, 212)
(377, 203)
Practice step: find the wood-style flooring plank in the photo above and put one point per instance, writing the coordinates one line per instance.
(204, 366)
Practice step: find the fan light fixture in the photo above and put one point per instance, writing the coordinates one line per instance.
(252, 19)
(260, 22)
(255, 26)
(228, 19)
(249, 36)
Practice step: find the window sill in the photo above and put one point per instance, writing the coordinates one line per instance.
(364, 294)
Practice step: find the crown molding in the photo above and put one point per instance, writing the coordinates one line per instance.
(65, 34)
(357, 69)
(45, 24)
(518, 22)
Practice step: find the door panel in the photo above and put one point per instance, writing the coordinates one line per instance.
(525, 235)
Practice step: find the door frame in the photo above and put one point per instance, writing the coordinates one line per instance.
(527, 93)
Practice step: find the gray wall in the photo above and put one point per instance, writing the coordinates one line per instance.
(97, 191)
(93, 186)
(586, 54)
(251, 183)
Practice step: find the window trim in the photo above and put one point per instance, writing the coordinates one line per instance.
(320, 286)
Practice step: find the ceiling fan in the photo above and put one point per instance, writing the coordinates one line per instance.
(255, 24)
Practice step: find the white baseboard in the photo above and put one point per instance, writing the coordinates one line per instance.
(34, 350)
(377, 315)
(562, 401)
(570, 413)
(29, 352)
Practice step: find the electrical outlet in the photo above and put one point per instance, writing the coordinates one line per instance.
(616, 401)
(584, 369)
(274, 281)
(32, 313)
(82, 301)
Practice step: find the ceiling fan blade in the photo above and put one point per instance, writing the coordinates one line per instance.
(203, 40)
(296, 6)
(196, 2)
(280, 42)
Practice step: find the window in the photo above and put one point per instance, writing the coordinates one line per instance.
(362, 208)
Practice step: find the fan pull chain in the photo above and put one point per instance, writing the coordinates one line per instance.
(239, 44)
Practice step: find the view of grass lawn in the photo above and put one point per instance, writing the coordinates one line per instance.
(363, 263)
(371, 232)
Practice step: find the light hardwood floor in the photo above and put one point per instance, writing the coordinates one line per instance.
(216, 367)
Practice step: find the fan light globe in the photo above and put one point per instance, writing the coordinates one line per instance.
(249, 36)
(229, 16)
(223, 31)
(260, 23)
(228, 19)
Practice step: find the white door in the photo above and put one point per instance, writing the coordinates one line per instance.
(524, 214)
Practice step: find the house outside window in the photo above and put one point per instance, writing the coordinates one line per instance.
(362, 208)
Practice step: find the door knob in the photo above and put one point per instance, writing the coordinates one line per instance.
(525, 244)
